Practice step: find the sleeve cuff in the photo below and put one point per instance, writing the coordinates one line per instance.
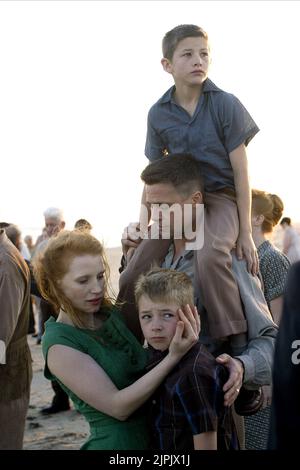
(249, 368)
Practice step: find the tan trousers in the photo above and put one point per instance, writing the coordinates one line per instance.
(213, 271)
(12, 423)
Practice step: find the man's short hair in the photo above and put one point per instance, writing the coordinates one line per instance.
(181, 170)
(177, 34)
(54, 213)
(4, 224)
(165, 285)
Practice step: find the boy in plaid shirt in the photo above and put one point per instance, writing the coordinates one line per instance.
(187, 410)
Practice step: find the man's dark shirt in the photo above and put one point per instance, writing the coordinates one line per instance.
(285, 415)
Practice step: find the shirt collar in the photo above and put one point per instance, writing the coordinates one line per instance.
(155, 357)
(208, 86)
(185, 254)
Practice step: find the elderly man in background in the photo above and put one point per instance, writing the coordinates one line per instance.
(15, 358)
(54, 223)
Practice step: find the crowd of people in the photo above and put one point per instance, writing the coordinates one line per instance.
(183, 358)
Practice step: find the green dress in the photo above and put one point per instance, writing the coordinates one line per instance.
(118, 352)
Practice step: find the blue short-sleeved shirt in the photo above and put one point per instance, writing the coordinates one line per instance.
(219, 125)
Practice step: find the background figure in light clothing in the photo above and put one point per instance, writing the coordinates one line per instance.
(291, 241)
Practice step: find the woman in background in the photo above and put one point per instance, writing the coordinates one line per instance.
(266, 212)
(291, 241)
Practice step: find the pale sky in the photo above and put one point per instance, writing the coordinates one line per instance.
(77, 80)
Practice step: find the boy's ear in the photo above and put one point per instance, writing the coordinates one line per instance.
(167, 66)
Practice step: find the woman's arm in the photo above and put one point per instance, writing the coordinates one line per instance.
(206, 441)
(84, 377)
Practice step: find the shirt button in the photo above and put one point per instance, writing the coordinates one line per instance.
(154, 402)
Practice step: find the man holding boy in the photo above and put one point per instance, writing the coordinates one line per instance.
(195, 116)
(178, 180)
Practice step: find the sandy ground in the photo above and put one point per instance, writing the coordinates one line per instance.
(64, 430)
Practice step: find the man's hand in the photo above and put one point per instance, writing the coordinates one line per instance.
(130, 239)
(245, 248)
(233, 385)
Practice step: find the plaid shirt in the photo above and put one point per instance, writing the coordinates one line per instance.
(190, 402)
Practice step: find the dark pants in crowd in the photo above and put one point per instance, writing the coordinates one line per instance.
(60, 400)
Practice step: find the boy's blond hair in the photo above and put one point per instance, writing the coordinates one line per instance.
(165, 285)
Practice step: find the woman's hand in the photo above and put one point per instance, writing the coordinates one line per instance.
(187, 331)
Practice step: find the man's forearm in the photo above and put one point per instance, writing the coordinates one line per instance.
(145, 210)
(258, 360)
(258, 357)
